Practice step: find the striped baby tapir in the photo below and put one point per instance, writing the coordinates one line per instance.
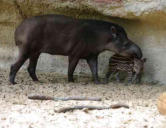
(133, 66)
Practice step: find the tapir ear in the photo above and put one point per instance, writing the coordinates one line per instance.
(113, 31)
(144, 60)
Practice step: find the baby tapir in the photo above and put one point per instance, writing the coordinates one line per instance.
(75, 38)
(133, 66)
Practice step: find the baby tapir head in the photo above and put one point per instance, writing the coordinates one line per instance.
(139, 65)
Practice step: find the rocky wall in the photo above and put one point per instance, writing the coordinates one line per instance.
(143, 20)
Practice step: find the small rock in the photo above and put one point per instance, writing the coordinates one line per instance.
(3, 118)
(130, 113)
(145, 126)
(161, 104)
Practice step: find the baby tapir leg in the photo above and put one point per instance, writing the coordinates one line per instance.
(137, 78)
(117, 77)
(130, 76)
(107, 76)
(110, 74)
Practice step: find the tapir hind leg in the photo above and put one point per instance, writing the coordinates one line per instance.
(93, 64)
(32, 66)
(23, 56)
(73, 61)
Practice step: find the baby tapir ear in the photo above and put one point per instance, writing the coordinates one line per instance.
(113, 31)
(135, 59)
(144, 60)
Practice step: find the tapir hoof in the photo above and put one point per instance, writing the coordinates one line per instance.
(13, 82)
(38, 82)
(105, 82)
(71, 80)
(128, 84)
(98, 82)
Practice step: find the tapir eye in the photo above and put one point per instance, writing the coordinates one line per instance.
(114, 35)
(125, 45)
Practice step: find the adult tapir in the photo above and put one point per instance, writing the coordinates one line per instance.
(75, 38)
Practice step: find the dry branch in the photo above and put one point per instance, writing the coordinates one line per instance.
(38, 97)
(116, 106)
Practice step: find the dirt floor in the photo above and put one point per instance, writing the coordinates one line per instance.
(17, 111)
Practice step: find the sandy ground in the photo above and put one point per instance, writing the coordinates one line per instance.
(17, 111)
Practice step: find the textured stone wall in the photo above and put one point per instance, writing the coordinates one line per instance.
(144, 21)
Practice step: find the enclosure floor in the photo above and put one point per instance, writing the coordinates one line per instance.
(17, 111)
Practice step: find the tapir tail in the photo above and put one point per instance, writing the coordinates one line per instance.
(18, 43)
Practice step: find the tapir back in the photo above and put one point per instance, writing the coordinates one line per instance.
(60, 34)
(47, 31)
